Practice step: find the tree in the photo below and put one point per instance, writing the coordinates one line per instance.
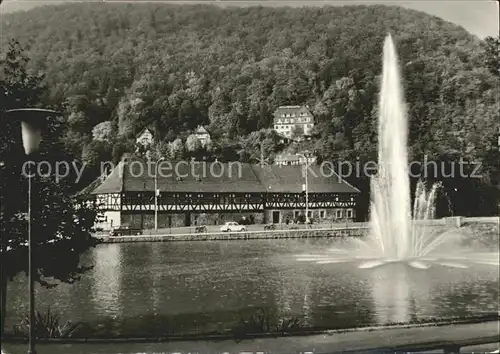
(121, 146)
(62, 225)
(18, 89)
(96, 152)
(260, 145)
(297, 131)
(491, 54)
(103, 131)
(192, 143)
(176, 149)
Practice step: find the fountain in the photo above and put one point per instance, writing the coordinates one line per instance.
(395, 235)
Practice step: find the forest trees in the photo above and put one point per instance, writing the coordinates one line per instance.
(61, 225)
(232, 68)
(491, 54)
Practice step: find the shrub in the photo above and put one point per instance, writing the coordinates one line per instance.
(47, 325)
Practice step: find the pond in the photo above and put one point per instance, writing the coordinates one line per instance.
(198, 287)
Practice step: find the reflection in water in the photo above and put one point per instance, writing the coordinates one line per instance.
(392, 294)
(306, 305)
(106, 276)
(294, 289)
(156, 279)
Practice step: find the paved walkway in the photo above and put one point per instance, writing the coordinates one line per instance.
(353, 341)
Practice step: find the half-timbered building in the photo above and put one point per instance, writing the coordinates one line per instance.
(219, 192)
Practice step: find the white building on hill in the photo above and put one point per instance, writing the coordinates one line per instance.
(293, 121)
(144, 138)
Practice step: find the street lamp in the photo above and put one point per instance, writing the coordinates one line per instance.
(32, 121)
(157, 191)
(306, 185)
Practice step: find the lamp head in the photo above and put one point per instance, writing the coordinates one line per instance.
(32, 121)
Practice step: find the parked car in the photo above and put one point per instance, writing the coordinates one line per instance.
(270, 227)
(232, 226)
(125, 231)
(200, 229)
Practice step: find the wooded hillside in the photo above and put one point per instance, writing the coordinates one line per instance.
(116, 68)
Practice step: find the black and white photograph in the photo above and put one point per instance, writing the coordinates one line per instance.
(249, 177)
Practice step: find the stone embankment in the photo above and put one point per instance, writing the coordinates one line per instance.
(248, 235)
(481, 230)
(480, 234)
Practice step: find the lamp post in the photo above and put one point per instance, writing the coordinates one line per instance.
(32, 121)
(157, 192)
(306, 185)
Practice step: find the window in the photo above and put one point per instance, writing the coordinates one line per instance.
(322, 214)
(338, 214)
(349, 213)
(276, 127)
(309, 214)
(296, 213)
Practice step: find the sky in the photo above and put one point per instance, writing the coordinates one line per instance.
(480, 17)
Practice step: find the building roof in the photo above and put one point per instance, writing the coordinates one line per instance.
(84, 193)
(201, 130)
(290, 110)
(143, 130)
(287, 157)
(294, 157)
(214, 177)
(290, 157)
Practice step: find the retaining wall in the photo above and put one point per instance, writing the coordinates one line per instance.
(318, 231)
(249, 235)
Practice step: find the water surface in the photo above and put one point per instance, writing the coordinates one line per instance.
(209, 285)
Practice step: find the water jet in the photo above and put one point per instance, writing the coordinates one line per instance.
(398, 233)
